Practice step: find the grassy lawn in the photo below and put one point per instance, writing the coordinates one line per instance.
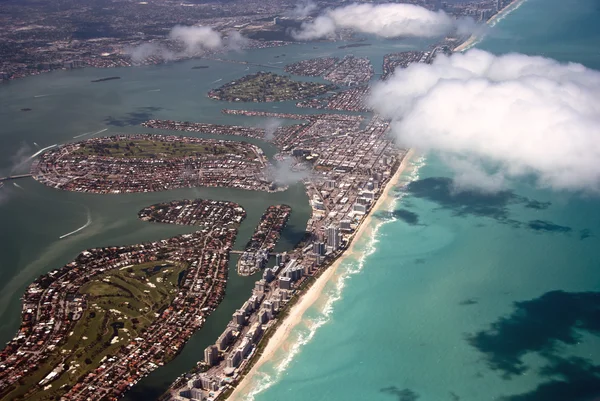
(148, 149)
(263, 86)
(122, 302)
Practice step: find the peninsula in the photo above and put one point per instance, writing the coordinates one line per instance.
(93, 328)
(263, 241)
(349, 71)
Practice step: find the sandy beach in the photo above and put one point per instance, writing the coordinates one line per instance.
(491, 22)
(314, 292)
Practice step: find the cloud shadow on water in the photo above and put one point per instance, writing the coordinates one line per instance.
(542, 325)
(546, 226)
(572, 379)
(441, 190)
(494, 205)
(468, 302)
(406, 216)
(400, 394)
(136, 117)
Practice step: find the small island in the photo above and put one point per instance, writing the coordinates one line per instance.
(268, 87)
(314, 67)
(148, 163)
(105, 79)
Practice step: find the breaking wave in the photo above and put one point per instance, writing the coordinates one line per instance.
(267, 376)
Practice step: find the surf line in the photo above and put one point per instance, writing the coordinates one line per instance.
(91, 133)
(41, 150)
(89, 221)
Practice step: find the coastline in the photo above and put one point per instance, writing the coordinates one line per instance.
(310, 297)
(473, 39)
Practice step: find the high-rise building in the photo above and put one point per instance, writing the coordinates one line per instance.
(285, 283)
(239, 317)
(346, 225)
(224, 339)
(234, 359)
(318, 248)
(211, 355)
(333, 237)
(260, 285)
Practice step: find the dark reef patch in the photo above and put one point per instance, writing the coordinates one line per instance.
(134, 118)
(533, 204)
(540, 325)
(469, 301)
(407, 216)
(441, 190)
(547, 226)
(400, 394)
(571, 379)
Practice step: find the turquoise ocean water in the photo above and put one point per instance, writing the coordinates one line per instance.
(464, 296)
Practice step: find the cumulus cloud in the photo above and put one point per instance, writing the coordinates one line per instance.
(235, 41)
(270, 126)
(287, 172)
(302, 10)
(524, 115)
(142, 52)
(387, 20)
(195, 40)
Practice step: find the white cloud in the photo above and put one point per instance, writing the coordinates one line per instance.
(288, 172)
(302, 10)
(527, 115)
(271, 125)
(197, 38)
(235, 41)
(145, 50)
(386, 20)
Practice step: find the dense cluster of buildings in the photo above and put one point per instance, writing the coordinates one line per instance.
(314, 67)
(194, 212)
(351, 71)
(479, 10)
(263, 241)
(65, 168)
(53, 306)
(40, 37)
(206, 128)
(352, 99)
(268, 87)
(351, 164)
(72, 36)
(403, 59)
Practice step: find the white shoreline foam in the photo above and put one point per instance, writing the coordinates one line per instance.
(255, 382)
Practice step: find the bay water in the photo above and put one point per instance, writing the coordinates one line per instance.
(464, 296)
